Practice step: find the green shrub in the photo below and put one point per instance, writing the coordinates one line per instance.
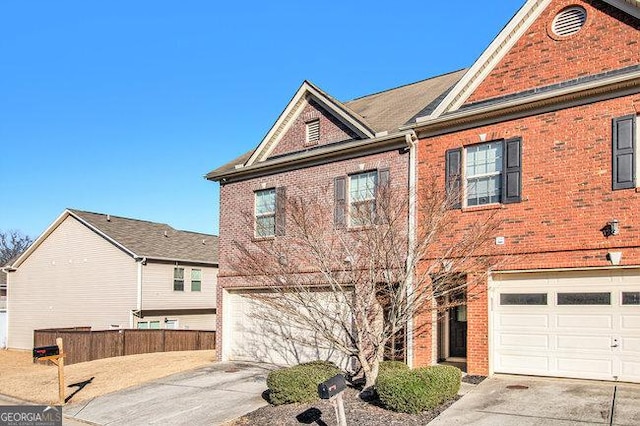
(414, 391)
(300, 382)
(390, 366)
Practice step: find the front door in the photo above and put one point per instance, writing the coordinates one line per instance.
(458, 331)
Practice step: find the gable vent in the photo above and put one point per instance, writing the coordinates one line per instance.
(569, 21)
(313, 131)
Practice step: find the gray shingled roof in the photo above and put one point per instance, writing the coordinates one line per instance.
(391, 109)
(154, 240)
(383, 111)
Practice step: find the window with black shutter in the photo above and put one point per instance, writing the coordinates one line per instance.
(623, 152)
(486, 173)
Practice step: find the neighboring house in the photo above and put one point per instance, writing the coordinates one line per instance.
(3, 309)
(542, 131)
(104, 271)
(317, 142)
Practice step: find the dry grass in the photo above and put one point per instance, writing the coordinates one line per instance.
(22, 379)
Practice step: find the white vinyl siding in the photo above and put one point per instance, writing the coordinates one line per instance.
(157, 288)
(74, 278)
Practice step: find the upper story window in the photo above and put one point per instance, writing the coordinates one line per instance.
(265, 213)
(362, 197)
(355, 197)
(623, 152)
(196, 280)
(270, 212)
(178, 279)
(486, 173)
(483, 173)
(313, 132)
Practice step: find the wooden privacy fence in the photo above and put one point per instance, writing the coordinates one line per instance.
(82, 344)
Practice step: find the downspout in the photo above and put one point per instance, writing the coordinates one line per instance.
(411, 140)
(141, 262)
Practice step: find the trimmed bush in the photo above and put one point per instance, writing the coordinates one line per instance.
(414, 391)
(300, 382)
(391, 366)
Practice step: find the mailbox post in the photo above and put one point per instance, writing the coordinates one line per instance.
(332, 390)
(55, 354)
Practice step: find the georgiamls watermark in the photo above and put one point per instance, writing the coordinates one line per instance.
(30, 415)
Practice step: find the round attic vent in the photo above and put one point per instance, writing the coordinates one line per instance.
(569, 21)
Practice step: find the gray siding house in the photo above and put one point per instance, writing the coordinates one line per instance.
(103, 271)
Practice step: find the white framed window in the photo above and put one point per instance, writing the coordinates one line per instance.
(313, 132)
(265, 213)
(362, 198)
(149, 325)
(483, 173)
(171, 324)
(178, 279)
(196, 280)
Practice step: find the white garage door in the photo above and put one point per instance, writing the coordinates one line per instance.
(578, 324)
(253, 332)
(3, 329)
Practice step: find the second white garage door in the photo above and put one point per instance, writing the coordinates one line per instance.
(569, 324)
(253, 332)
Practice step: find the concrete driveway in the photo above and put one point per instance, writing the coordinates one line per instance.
(211, 395)
(520, 400)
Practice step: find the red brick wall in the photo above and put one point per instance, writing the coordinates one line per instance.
(331, 130)
(236, 198)
(609, 40)
(566, 199)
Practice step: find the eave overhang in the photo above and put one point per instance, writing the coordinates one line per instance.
(322, 155)
(561, 98)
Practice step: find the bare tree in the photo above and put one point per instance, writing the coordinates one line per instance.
(12, 244)
(357, 286)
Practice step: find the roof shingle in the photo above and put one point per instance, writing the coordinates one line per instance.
(153, 240)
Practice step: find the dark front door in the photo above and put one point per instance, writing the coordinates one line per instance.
(458, 331)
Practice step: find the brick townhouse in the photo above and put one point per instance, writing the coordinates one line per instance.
(541, 131)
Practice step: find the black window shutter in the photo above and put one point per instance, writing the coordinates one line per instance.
(453, 175)
(281, 216)
(623, 152)
(340, 202)
(383, 178)
(512, 171)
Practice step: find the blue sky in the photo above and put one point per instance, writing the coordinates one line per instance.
(121, 107)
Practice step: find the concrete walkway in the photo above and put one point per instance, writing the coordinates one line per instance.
(522, 401)
(211, 395)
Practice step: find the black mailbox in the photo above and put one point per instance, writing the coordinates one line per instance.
(332, 387)
(43, 351)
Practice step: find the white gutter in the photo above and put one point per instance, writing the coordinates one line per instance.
(411, 139)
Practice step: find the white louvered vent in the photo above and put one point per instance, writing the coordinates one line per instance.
(313, 131)
(569, 21)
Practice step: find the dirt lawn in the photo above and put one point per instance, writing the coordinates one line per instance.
(22, 379)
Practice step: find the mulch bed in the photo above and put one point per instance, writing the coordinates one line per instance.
(358, 412)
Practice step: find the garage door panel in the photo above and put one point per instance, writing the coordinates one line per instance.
(519, 321)
(584, 343)
(591, 367)
(602, 322)
(530, 341)
(574, 335)
(258, 333)
(631, 322)
(524, 364)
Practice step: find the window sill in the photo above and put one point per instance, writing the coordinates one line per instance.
(258, 239)
(494, 206)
